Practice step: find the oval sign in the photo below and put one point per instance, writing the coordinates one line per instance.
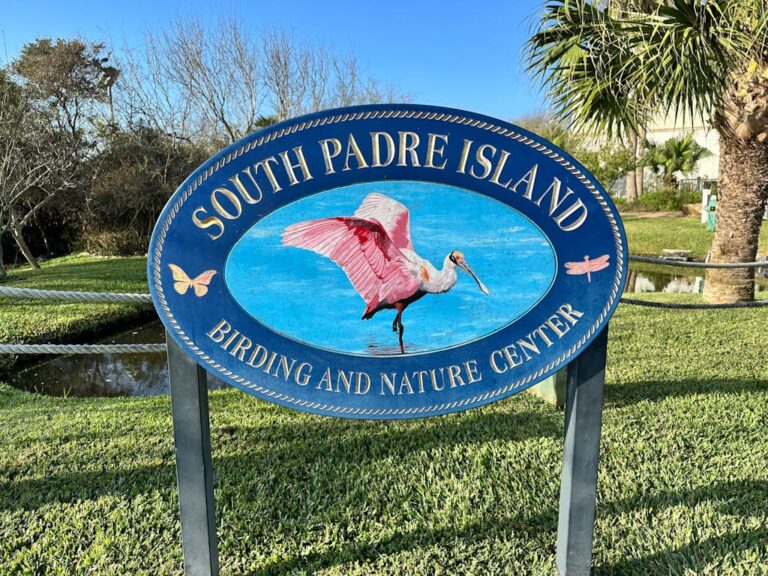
(388, 261)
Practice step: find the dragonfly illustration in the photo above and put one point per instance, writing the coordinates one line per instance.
(588, 266)
(182, 281)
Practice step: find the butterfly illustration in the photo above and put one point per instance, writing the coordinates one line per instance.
(182, 281)
(588, 266)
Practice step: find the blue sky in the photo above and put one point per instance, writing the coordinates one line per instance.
(462, 54)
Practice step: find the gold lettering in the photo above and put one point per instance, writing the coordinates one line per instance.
(433, 375)
(258, 350)
(540, 332)
(354, 150)
(220, 330)
(327, 379)
(483, 161)
(571, 315)
(232, 198)
(525, 346)
(291, 168)
(299, 376)
(566, 213)
(385, 380)
(554, 201)
(268, 171)
(207, 222)
(377, 163)
(363, 383)
(473, 374)
(499, 168)
(464, 156)
(454, 375)
(229, 340)
(240, 348)
(557, 326)
(494, 364)
(271, 361)
(512, 356)
(432, 150)
(529, 179)
(341, 379)
(287, 368)
(405, 382)
(242, 189)
(409, 148)
(328, 156)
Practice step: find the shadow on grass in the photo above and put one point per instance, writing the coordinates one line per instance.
(620, 395)
(692, 558)
(541, 528)
(288, 450)
(734, 498)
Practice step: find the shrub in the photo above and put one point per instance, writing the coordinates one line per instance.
(133, 178)
(660, 200)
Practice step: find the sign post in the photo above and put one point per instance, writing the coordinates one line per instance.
(194, 468)
(581, 454)
(323, 264)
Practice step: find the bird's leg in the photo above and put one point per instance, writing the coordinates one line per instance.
(397, 325)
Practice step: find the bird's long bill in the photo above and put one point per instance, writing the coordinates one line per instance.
(464, 266)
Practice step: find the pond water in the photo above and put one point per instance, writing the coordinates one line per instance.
(147, 374)
(105, 374)
(678, 281)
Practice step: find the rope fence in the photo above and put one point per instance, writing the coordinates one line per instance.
(32, 294)
(685, 264)
(81, 348)
(118, 297)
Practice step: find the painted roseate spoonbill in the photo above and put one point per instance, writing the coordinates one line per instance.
(374, 248)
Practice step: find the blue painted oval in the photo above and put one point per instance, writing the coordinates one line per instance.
(511, 256)
(192, 260)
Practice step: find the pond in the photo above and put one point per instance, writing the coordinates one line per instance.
(644, 279)
(105, 374)
(147, 374)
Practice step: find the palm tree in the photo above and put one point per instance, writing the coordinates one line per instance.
(673, 156)
(614, 65)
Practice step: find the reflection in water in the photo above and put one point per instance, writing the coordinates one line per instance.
(105, 374)
(640, 281)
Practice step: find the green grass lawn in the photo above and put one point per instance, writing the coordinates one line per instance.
(87, 486)
(32, 321)
(649, 236)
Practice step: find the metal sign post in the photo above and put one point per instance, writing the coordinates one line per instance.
(194, 467)
(581, 454)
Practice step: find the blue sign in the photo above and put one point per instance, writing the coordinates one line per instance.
(388, 261)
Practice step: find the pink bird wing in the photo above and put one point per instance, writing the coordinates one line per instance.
(393, 217)
(362, 248)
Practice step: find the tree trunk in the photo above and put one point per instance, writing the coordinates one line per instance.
(17, 236)
(631, 181)
(640, 169)
(741, 196)
(3, 272)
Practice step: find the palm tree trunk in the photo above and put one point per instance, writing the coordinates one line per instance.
(631, 179)
(742, 191)
(20, 242)
(640, 169)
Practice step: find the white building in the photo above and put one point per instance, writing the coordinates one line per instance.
(668, 127)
